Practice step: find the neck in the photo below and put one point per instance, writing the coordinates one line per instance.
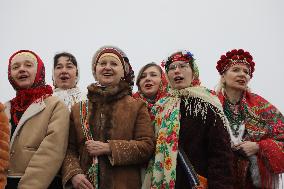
(233, 95)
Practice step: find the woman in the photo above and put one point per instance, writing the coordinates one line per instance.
(39, 125)
(110, 133)
(191, 133)
(65, 78)
(4, 146)
(152, 84)
(256, 126)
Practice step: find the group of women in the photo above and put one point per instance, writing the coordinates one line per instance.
(171, 133)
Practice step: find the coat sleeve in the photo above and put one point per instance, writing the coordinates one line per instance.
(4, 146)
(71, 165)
(140, 148)
(47, 160)
(220, 156)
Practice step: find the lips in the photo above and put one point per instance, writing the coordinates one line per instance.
(148, 85)
(22, 77)
(64, 77)
(178, 78)
(107, 74)
(242, 82)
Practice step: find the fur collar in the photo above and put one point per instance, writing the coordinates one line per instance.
(101, 94)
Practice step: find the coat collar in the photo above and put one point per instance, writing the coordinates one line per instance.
(32, 110)
(100, 94)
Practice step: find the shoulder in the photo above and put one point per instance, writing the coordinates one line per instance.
(2, 107)
(53, 102)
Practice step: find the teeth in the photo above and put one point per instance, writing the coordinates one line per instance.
(23, 77)
(178, 78)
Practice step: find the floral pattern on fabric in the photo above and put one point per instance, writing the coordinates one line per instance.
(162, 169)
(93, 170)
(264, 124)
(162, 92)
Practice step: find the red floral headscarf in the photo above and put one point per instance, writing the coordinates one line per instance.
(162, 92)
(235, 57)
(185, 56)
(25, 97)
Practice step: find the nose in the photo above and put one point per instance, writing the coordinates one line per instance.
(148, 78)
(177, 69)
(22, 68)
(64, 70)
(107, 67)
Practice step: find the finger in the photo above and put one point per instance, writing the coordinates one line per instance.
(88, 184)
(241, 143)
(82, 185)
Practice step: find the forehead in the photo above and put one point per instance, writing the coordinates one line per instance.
(152, 69)
(241, 66)
(64, 60)
(109, 58)
(178, 62)
(24, 57)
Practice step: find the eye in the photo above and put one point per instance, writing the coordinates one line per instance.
(14, 67)
(143, 76)
(70, 66)
(246, 71)
(29, 64)
(183, 65)
(113, 64)
(102, 64)
(58, 67)
(153, 74)
(172, 67)
(235, 69)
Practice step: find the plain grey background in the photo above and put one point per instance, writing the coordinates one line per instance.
(148, 31)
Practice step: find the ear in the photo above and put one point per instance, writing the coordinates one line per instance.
(223, 79)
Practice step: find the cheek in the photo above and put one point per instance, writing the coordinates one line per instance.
(56, 73)
(73, 73)
(13, 74)
(141, 83)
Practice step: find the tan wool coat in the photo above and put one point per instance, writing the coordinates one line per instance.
(4, 146)
(122, 121)
(39, 143)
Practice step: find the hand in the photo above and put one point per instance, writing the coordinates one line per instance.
(247, 147)
(80, 181)
(97, 148)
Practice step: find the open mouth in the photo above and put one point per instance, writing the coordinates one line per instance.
(241, 82)
(23, 77)
(107, 74)
(178, 79)
(64, 78)
(148, 85)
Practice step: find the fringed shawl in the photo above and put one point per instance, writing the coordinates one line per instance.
(167, 125)
(264, 124)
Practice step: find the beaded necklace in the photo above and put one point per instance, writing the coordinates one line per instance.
(235, 116)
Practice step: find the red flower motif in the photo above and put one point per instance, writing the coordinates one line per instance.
(240, 54)
(172, 184)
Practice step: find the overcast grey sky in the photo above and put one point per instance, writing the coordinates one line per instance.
(148, 31)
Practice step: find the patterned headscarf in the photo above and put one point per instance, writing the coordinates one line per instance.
(235, 57)
(162, 90)
(264, 124)
(128, 72)
(25, 97)
(185, 56)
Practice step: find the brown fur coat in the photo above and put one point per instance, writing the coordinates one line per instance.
(122, 121)
(4, 147)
